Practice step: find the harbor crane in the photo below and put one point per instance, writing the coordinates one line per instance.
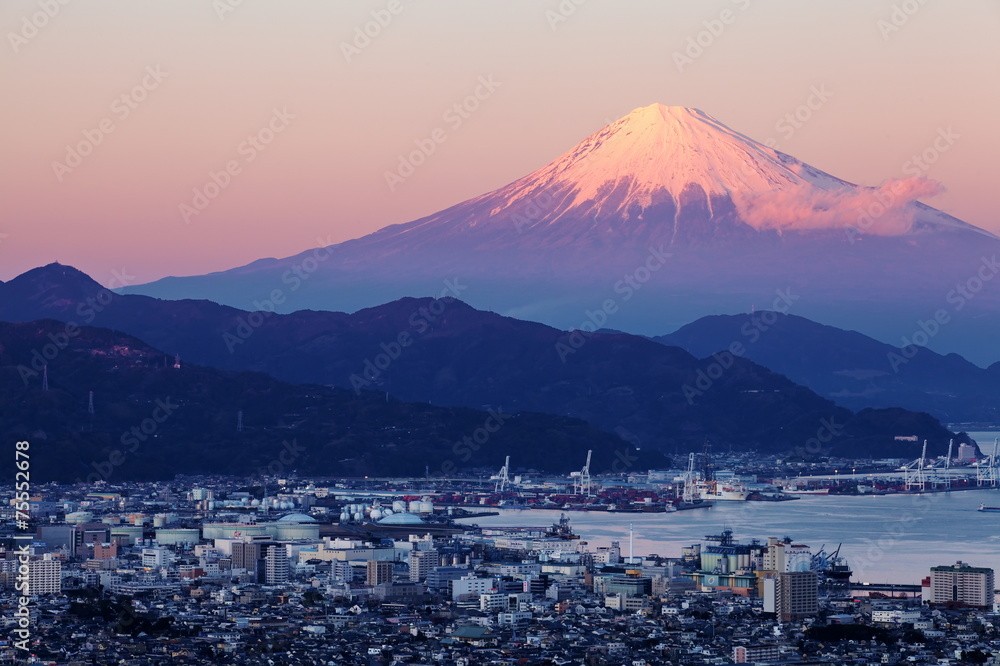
(690, 476)
(915, 473)
(941, 469)
(581, 479)
(988, 471)
(502, 477)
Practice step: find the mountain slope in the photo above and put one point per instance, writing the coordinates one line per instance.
(444, 352)
(671, 212)
(152, 421)
(850, 368)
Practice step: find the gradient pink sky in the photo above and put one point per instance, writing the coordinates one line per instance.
(323, 174)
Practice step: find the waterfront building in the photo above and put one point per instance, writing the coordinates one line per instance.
(962, 584)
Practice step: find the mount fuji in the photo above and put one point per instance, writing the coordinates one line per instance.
(659, 218)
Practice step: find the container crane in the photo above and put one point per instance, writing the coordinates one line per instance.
(581, 479)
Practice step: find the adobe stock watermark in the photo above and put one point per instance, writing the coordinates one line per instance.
(32, 25)
(420, 321)
(86, 311)
(225, 7)
(570, 343)
(293, 279)
(624, 460)
(828, 430)
(121, 108)
(290, 452)
(562, 13)
(893, 532)
(473, 442)
(131, 440)
(531, 212)
(700, 42)
(918, 165)
(248, 149)
(797, 118)
(927, 329)
(364, 34)
(454, 117)
(751, 332)
(899, 16)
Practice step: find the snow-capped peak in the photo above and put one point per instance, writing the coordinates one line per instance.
(677, 174)
(660, 147)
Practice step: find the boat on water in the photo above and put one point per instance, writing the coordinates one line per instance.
(724, 492)
(561, 529)
(641, 507)
(806, 491)
(511, 504)
(989, 509)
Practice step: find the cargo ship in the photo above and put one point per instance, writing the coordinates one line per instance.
(726, 492)
(993, 509)
(806, 491)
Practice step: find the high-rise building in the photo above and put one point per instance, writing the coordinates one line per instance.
(44, 576)
(783, 556)
(276, 569)
(249, 554)
(792, 595)
(963, 584)
(379, 572)
(966, 452)
(422, 562)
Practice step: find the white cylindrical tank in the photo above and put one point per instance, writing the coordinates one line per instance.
(388, 512)
(426, 507)
(375, 514)
(399, 506)
(414, 506)
(359, 516)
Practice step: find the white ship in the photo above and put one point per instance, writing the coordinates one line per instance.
(806, 491)
(698, 489)
(724, 491)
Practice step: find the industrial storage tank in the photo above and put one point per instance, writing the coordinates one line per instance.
(425, 507)
(414, 506)
(234, 530)
(132, 532)
(398, 506)
(172, 537)
(375, 514)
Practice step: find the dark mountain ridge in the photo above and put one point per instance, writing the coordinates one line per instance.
(441, 351)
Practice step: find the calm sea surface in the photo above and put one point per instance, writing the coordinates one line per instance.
(890, 538)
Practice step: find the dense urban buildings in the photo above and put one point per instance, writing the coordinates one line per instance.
(220, 576)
